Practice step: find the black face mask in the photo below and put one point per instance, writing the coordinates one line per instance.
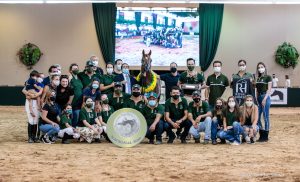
(173, 70)
(136, 94)
(218, 106)
(175, 97)
(106, 101)
(52, 98)
(196, 100)
(89, 70)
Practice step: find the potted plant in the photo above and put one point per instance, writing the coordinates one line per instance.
(287, 55)
(29, 54)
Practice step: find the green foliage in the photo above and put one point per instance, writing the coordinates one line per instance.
(287, 55)
(29, 54)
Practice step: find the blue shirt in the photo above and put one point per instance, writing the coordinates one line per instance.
(46, 80)
(87, 92)
(170, 81)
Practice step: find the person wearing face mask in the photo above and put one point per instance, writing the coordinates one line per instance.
(191, 76)
(93, 92)
(107, 80)
(170, 79)
(200, 115)
(153, 113)
(242, 83)
(176, 112)
(64, 93)
(52, 87)
(49, 120)
(89, 126)
(118, 67)
(231, 122)
(52, 71)
(217, 83)
(249, 119)
(117, 98)
(136, 100)
(76, 85)
(88, 74)
(66, 130)
(126, 79)
(217, 121)
(263, 92)
(104, 114)
(98, 70)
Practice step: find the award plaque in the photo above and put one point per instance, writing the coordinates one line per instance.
(190, 86)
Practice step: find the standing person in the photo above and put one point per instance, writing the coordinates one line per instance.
(136, 101)
(88, 74)
(199, 114)
(249, 118)
(242, 83)
(52, 71)
(274, 81)
(191, 76)
(217, 121)
(77, 87)
(98, 70)
(287, 81)
(49, 120)
(153, 113)
(89, 125)
(231, 122)
(64, 93)
(118, 67)
(217, 83)
(117, 98)
(176, 112)
(107, 80)
(263, 90)
(170, 79)
(125, 78)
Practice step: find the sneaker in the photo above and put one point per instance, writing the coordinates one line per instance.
(65, 142)
(197, 140)
(97, 140)
(188, 137)
(252, 141)
(158, 142)
(248, 140)
(171, 139)
(183, 141)
(214, 142)
(178, 135)
(51, 139)
(206, 141)
(223, 141)
(235, 143)
(45, 139)
(30, 140)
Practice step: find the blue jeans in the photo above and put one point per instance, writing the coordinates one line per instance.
(234, 133)
(159, 129)
(215, 132)
(202, 126)
(75, 118)
(265, 111)
(49, 129)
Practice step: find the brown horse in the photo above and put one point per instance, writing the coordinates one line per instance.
(146, 75)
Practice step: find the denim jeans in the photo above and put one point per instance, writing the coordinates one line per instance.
(75, 118)
(202, 126)
(265, 111)
(185, 124)
(234, 133)
(215, 132)
(49, 129)
(159, 129)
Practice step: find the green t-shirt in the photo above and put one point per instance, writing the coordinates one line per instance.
(106, 114)
(246, 75)
(200, 110)
(85, 79)
(217, 86)
(231, 117)
(176, 111)
(77, 87)
(88, 116)
(107, 80)
(63, 120)
(262, 83)
(150, 114)
(184, 79)
(129, 103)
(117, 102)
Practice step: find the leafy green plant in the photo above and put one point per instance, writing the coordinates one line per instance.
(29, 55)
(287, 55)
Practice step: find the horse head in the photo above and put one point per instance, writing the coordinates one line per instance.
(146, 62)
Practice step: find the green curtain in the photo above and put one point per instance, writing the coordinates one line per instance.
(138, 17)
(210, 17)
(105, 19)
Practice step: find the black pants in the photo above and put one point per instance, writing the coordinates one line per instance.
(186, 125)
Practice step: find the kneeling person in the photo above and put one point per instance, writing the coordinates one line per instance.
(136, 101)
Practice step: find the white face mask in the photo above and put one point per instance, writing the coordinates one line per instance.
(95, 63)
(231, 104)
(261, 70)
(109, 71)
(249, 103)
(119, 67)
(242, 68)
(40, 80)
(56, 82)
(217, 69)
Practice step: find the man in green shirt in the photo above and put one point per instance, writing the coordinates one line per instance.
(176, 110)
(136, 101)
(88, 74)
(199, 114)
(217, 83)
(117, 98)
(153, 113)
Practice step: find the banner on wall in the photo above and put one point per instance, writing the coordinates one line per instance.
(279, 96)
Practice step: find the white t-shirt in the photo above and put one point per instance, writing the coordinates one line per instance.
(274, 82)
(287, 83)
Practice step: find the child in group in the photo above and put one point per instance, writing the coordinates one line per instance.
(106, 112)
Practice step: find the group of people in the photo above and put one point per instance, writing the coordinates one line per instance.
(78, 105)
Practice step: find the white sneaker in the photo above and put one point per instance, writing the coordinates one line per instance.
(248, 140)
(235, 143)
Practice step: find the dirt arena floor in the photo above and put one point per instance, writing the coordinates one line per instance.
(278, 160)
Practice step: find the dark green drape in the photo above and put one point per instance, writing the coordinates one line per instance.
(210, 17)
(105, 19)
(154, 18)
(138, 17)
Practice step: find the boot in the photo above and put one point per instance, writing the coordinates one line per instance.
(266, 136)
(30, 133)
(65, 139)
(261, 136)
(34, 136)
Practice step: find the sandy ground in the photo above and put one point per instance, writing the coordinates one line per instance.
(278, 160)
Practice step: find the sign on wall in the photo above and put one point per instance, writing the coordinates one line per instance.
(279, 96)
